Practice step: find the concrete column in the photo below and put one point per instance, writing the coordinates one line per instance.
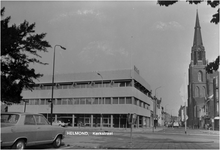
(143, 121)
(138, 121)
(132, 82)
(111, 121)
(73, 120)
(101, 125)
(91, 121)
(55, 118)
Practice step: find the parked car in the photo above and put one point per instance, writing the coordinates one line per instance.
(19, 130)
(176, 124)
(60, 123)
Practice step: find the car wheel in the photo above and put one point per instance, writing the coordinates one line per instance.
(19, 144)
(57, 142)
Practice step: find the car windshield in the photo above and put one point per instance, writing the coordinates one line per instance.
(9, 118)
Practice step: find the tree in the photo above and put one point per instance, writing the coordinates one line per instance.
(212, 3)
(213, 66)
(19, 48)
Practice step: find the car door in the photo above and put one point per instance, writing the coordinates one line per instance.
(44, 132)
(29, 129)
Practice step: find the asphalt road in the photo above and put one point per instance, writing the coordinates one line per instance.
(167, 138)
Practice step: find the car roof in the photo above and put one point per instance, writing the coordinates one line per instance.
(20, 113)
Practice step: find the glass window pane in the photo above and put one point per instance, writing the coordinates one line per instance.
(115, 100)
(82, 101)
(70, 101)
(29, 120)
(108, 100)
(128, 100)
(40, 120)
(36, 101)
(58, 101)
(42, 101)
(121, 100)
(96, 101)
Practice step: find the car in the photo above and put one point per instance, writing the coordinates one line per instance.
(60, 123)
(176, 124)
(19, 130)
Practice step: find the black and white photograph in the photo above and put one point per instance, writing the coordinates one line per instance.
(110, 74)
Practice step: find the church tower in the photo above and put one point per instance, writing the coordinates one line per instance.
(197, 77)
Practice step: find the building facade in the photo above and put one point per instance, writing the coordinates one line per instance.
(197, 77)
(92, 99)
(201, 105)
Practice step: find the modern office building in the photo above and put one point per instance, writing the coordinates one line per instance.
(92, 99)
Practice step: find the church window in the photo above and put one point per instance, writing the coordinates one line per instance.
(197, 92)
(199, 55)
(202, 94)
(200, 76)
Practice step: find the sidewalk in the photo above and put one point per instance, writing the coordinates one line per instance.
(107, 129)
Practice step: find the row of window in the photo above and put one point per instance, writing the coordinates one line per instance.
(82, 85)
(86, 101)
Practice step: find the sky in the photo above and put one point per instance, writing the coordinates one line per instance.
(101, 35)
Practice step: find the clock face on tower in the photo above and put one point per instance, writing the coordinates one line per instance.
(198, 48)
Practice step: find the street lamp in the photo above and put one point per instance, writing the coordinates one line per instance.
(101, 100)
(51, 113)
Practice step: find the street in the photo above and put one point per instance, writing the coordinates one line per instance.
(161, 138)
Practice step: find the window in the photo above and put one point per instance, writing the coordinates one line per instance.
(82, 101)
(197, 93)
(115, 100)
(96, 101)
(70, 101)
(140, 103)
(121, 100)
(9, 118)
(64, 101)
(36, 101)
(101, 100)
(202, 93)
(135, 101)
(108, 100)
(40, 120)
(128, 83)
(58, 101)
(199, 55)
(29, 120)
(47, 101)
(88, 101)
(42, 101)
(128, 100)
(76, 101)
(31, 102)
(200, 76)
(122, 84)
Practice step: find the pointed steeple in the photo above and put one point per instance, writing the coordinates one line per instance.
(198, 50)
(197, 34)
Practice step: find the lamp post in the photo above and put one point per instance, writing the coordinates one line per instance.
(101, 100)
(51, 113)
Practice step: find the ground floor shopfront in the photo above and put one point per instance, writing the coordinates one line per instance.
(101, 120)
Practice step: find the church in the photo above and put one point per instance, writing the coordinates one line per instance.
(203, 100)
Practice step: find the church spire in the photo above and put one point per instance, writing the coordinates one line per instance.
(198, 50)
(197, 34)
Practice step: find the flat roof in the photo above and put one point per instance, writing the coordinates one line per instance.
(95, 76)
